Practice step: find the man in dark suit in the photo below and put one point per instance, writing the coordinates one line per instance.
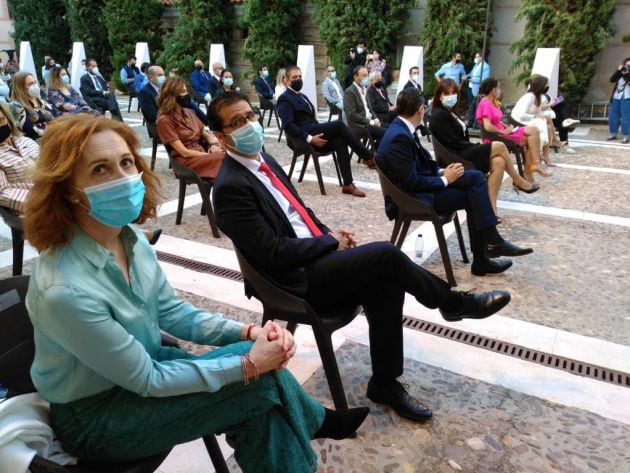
(95, 91)
(412, 169)
(299, 118)
(147, 97)
(259, 209)
(215, 79)
(200, 79)
(414, 79)
(263, 84)
(356, 107)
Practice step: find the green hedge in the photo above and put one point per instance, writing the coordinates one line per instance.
(129, 22)
(85, 20)
(344, 22)
(42, 23)
(201, 23)
(580, 28)
(452, 26)
(272, 38)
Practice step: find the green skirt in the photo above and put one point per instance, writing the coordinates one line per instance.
(269, 422)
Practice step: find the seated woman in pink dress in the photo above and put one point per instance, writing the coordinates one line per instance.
(489, 116)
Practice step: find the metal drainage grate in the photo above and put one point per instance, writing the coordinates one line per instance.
(579, 368)
(200, 266)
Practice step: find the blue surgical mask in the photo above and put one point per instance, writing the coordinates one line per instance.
(265, 74)
(95, 71)
(160, 80)
(333, 75)
(248, 139)
(116, 203)
(365, 81)
(65, 79)
(228, 81)
(449, 101)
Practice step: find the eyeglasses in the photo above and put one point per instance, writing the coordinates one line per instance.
(241, 121)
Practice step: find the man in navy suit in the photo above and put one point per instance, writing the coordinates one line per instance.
(259, 209)
(299, 118)
(200, 81)
(263, 84)
(95, 91)
(412, 169)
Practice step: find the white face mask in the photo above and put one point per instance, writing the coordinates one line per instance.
(34, 91)
(415, 77)
(360, 50)
(477, 60)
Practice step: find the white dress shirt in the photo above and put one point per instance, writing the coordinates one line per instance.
(299, 227)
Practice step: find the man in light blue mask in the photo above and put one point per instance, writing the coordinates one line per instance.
(331, 88)
(264, 86)
(358, 114)
(147, 97)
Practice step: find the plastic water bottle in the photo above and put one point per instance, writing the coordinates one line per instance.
(419, 248)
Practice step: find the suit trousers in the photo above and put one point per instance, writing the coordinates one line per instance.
(470, 192)
(107, 102)
(339, 138)
(377, 276)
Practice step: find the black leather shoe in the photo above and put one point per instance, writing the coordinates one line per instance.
(490, 266)
(507, 249)
(478, 305)
(396, 396)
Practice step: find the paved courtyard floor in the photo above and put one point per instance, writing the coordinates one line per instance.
(492, 412)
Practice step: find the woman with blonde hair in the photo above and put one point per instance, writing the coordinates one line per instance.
(31, 112)
(280, 87)
(18, 155)
(63, 96)
(98, 299)
(179, 128)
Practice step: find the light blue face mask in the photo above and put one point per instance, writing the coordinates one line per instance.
(365, 81)
(160, 80)
(228, 81)
(449, 101)
(248, 139)
(116, 203)
(4, 90)
(65, 79)
(333, 75)
(265, 74)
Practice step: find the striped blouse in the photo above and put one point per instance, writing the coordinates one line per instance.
(16, 162)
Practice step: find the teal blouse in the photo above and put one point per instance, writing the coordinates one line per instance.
(93, 331)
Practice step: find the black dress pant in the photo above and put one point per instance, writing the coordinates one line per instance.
(377, 276)
(107, 102)
(339, 138)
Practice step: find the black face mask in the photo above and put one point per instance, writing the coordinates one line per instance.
(458, 61)
(183, 101)
(198, 67)
(5, 132)
(378, 84)
(297, 84)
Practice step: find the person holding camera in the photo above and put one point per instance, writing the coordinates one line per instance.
(620, 102)
(356, 57)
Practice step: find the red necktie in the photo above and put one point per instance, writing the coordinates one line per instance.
(299, 208)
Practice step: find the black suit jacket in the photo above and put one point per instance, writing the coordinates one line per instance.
(408, 165)
(247, 212)
(213, 85)
(379, 104)
(264, 87)
(412, 85)
(87, 86)
(147, 98)
(449, 131)
(297, 113)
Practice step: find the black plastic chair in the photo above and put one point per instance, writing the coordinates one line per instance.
(334, 110)
(516, 150)
(17, 351)
(267, 105)
(278, 304)
(17, 237)
(412, 209)
(363, 134)
(155, 138)
(445, 157)
(302, 148)
(188, 176)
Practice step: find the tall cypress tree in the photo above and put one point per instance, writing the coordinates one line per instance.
(131, 21)
(85, 18)
(452, 27)
(272, 36)
(201, 23)
(580, 28)
(42, 23)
